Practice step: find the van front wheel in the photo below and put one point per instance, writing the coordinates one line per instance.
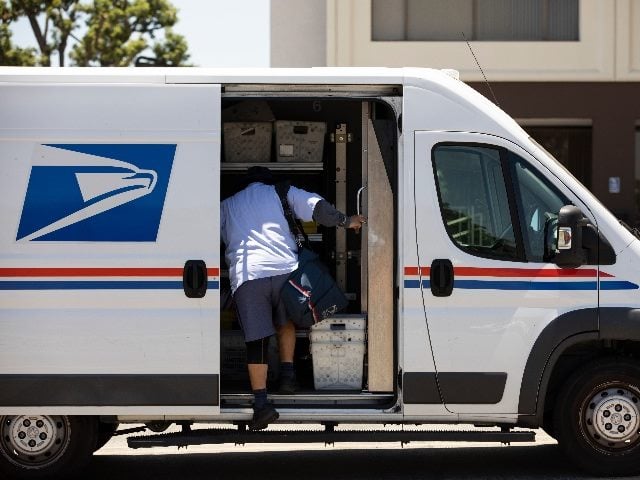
(40, 446)
(597, 421)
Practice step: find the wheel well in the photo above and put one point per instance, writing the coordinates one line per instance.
(576, 356)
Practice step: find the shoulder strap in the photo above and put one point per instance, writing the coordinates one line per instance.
(282, 189)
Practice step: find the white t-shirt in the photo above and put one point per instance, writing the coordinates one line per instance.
(255, 231)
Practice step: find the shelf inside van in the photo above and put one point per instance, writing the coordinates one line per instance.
(275, 166)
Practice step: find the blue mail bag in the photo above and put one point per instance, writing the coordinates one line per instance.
(310, 294)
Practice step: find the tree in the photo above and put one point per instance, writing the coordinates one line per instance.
(173, 50)
(102, 32)
(9, 54)
(12, 56)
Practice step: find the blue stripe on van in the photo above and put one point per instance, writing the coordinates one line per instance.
(96, 285)
(618, 285)
(527, 285)
(520, 285)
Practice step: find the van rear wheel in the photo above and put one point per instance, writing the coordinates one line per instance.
(597, 421)
(39, 446)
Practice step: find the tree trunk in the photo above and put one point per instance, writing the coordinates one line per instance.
(42, 42)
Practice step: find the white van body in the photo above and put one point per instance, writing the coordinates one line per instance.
(111, 181)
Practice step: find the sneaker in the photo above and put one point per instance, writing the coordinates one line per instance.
(263, 417)
(288, 386)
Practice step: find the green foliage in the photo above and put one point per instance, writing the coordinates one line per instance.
(10, 54)
(52, 23)
(14, 56)
(173, 51)
(115, 32)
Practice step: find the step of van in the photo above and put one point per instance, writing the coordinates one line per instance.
(312, 398)
(240, 435)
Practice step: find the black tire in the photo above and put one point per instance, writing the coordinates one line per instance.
(105, 432)
(45, 446)
(548, 425)
(597, 419)
(549, 430)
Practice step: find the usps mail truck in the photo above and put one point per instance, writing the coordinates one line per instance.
(488, 288)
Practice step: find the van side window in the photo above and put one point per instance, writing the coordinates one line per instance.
(473, 200)
(538, 203)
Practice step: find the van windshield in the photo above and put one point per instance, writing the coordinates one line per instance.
(551, 157)
(538, 204)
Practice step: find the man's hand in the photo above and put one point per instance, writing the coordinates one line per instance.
(356, 221)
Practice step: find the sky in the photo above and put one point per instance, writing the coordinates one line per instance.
(220, 33)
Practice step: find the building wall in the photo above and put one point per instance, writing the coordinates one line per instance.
(608, 49)
(298, 33)
(611, 108)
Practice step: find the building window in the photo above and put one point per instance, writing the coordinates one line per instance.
(480, 20)
(571, 146)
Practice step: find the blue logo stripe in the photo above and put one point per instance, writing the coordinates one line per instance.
(96, 285)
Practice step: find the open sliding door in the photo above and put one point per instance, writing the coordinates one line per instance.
(378, 267)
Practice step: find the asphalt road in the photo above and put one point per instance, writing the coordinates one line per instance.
(428, 460)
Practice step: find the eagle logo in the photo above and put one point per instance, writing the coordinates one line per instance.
(75, 194)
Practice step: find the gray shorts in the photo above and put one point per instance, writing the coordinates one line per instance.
(259, 307)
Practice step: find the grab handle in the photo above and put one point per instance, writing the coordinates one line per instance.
(358, 199)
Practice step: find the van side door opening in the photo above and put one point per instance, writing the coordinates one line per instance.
(359, 135)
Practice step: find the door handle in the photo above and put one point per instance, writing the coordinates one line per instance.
(194, 278)
(441, 277)
(359, 199)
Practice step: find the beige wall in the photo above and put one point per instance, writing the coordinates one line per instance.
(609, 47)
(298, 33)
(628, 40)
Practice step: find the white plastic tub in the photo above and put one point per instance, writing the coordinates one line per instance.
(337, 365)
(247, 142)
(300, 141)
(342, 322)
(343, 336)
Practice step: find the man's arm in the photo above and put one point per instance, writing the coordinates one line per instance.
(325, 214)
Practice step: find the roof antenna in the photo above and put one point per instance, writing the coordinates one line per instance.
(481, 71)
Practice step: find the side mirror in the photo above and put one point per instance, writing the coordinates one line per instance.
(571, 252)
(578, 242)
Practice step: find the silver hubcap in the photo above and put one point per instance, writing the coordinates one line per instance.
(34, 441)
(612, 418)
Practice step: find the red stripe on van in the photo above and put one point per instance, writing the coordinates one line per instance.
(515, 272)
(97, 272)
(527, 272)
(414, 270)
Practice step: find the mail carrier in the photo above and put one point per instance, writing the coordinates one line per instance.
(488, 288)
